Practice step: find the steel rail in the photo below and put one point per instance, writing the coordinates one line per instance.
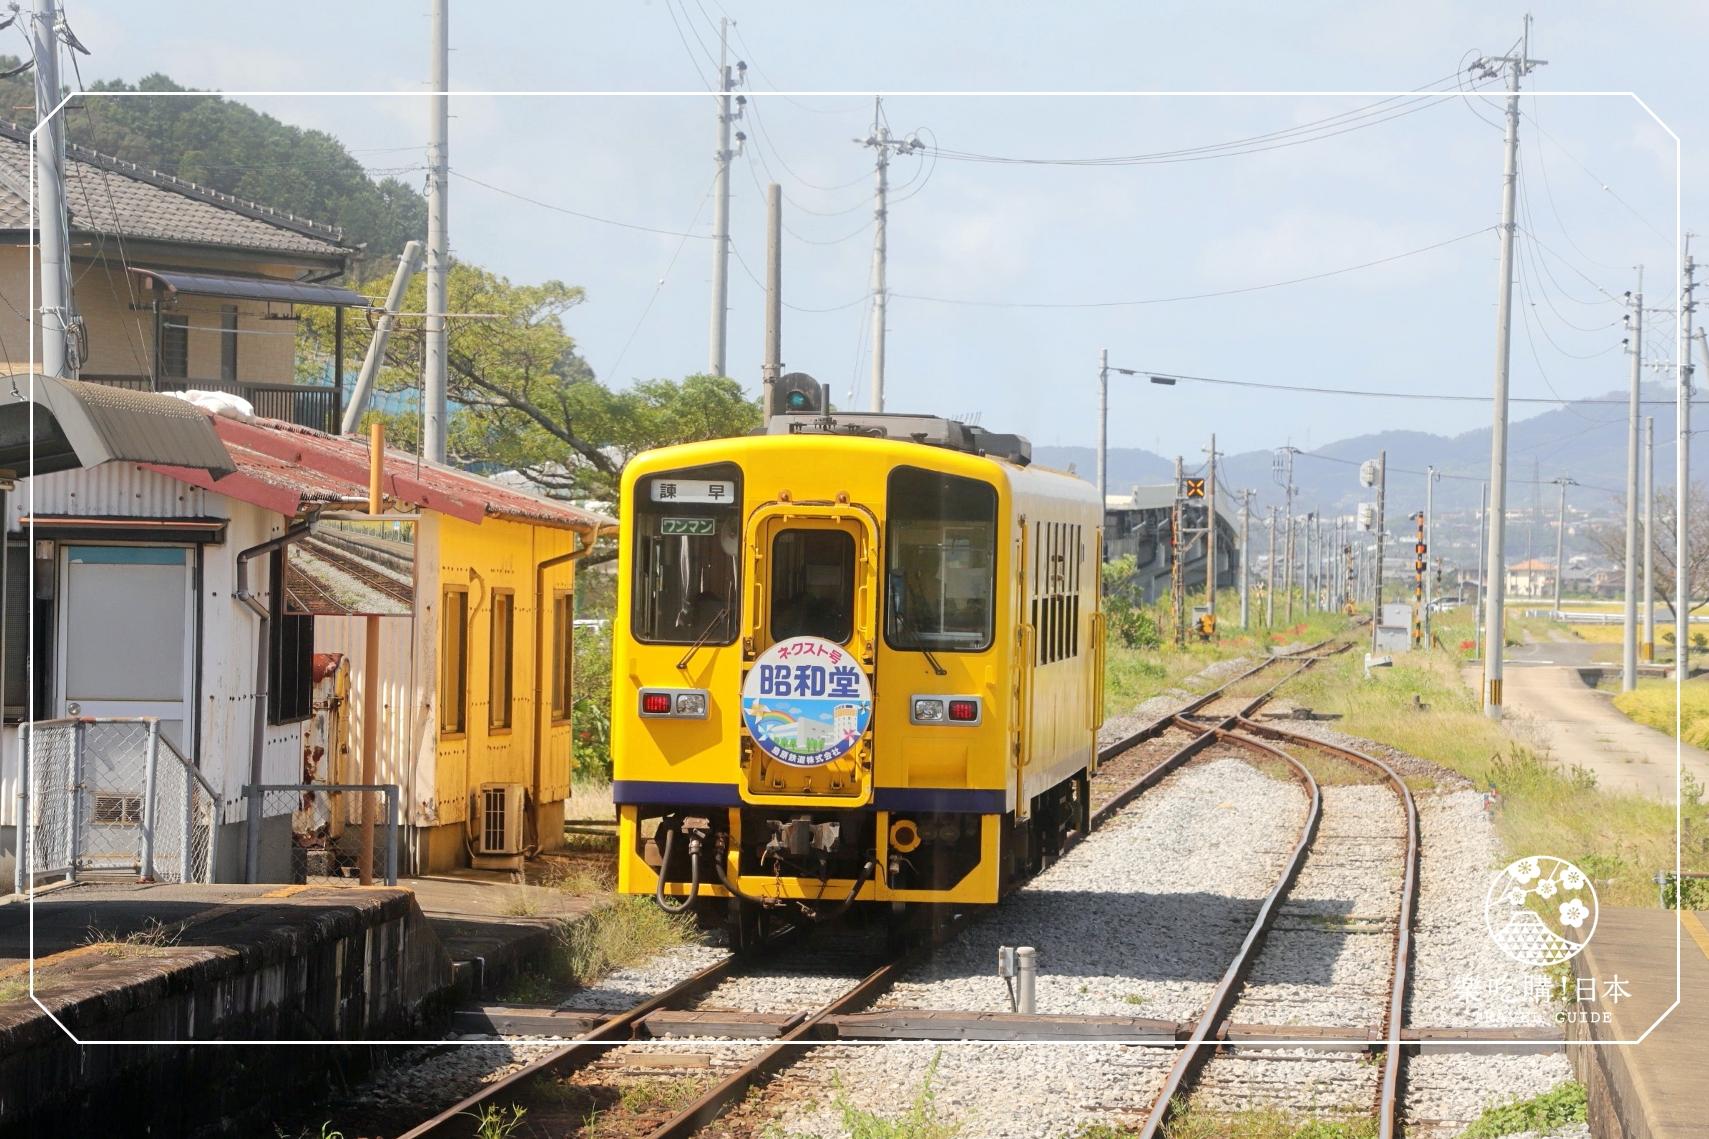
(1194, 1053)
(1389, 1106)
(572, 1057)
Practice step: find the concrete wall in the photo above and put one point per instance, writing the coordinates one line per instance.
(369, 968)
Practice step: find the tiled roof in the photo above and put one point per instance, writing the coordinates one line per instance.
(109, 195)
(286, 468)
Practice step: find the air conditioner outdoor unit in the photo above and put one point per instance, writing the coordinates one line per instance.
(499, 812)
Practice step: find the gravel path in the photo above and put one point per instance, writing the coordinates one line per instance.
(1047, 1091)
(632, 984)
(1142, 917)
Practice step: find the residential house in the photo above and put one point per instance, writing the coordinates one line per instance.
(164, 591)
(1533, 578)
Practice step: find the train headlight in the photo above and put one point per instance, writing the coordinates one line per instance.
(928, 710)
(691, 704)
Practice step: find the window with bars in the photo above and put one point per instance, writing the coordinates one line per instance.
(454, 662)
(503, 665)
(175, 347)
(291, 647)
(563, 654)
(228, 343)
(1059, 553)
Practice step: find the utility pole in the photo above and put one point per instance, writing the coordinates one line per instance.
(1682, 482)
(1629, 631)
(1177, 554)
(1382, 503)
(1103, 428)
(56, 301)
(376, 357)
(1245, 567)
(434, 383)
(1517, 67)
(1306, 562)
(1483, 586)
(727, 81)
(1282, 468)
(773, 366)
(881, 142)
(1561, 538)
(1210, 536)
(1648, 648)
(1270, 576)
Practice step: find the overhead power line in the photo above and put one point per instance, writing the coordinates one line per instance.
(576, 213)
(1369, 115)
(1307, 389)
(975, 303)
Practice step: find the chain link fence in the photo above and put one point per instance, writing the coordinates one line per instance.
(308, 832)
(112, 795)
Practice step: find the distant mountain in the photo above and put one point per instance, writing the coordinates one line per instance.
(1585, 441)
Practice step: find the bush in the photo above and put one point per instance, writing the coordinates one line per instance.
(590, 714)
(1560, 1105)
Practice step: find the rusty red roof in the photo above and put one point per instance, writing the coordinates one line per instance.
(286, 468)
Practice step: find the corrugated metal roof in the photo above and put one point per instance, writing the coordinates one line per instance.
(286, 468)
(107, 195)
(78, 424)
(252, 288)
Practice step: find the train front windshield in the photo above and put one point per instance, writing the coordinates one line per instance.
(688, 556)
(941, 566)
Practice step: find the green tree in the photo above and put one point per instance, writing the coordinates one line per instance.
(523, 399)
(239, 150)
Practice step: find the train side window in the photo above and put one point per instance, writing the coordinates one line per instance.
(812, 584)
(941, 561)
(688, 556)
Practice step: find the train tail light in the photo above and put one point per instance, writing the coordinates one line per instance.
(681, 703)
(964, 711)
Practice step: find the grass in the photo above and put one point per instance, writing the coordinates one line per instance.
(1619, 839)
(152, 939)
(14, 988)
(1560, 1105)
(1652, 704)
(494, 1122)
(919, 1121)
(658, 1095)
(627, 929)
(1134, 675)
(1264, 1123)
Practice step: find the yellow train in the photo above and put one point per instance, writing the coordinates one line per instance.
(857, 659)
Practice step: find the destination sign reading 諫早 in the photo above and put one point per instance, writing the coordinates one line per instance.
(688, 526)
(693, 490)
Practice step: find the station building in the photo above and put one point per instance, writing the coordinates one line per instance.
(1138, 524)
(126, 575)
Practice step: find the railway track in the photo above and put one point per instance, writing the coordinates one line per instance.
(1148, 755)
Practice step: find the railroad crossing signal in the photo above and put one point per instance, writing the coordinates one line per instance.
(1195, 488)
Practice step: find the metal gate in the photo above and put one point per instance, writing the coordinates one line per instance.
(113, 795)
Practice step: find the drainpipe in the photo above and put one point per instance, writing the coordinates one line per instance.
(542, 708)
(258, 737)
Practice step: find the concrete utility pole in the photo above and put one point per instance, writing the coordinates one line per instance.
(1483, 586)
(434, 383)
(773, 366)
(1682, 481)
(1382, 503)
(376, 357)
(881, 142)
(715, 363)
(1516, 66)
(1283, 470)
(1270, 576)
(56, 304)
(1245, 565)
(1430, 477)
(1103, 424)
(1561, 537)
(1647, 649)
(1629, 632)
(1210, 536)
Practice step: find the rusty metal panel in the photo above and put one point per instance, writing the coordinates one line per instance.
(114, 490)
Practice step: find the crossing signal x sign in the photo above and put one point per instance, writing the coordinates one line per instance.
(1195, 488)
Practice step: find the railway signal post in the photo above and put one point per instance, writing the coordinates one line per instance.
(1420, 568)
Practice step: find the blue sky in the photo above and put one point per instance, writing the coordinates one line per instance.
(1598, 188)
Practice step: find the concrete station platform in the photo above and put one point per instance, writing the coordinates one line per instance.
(323, 963)
(1655, 1089)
